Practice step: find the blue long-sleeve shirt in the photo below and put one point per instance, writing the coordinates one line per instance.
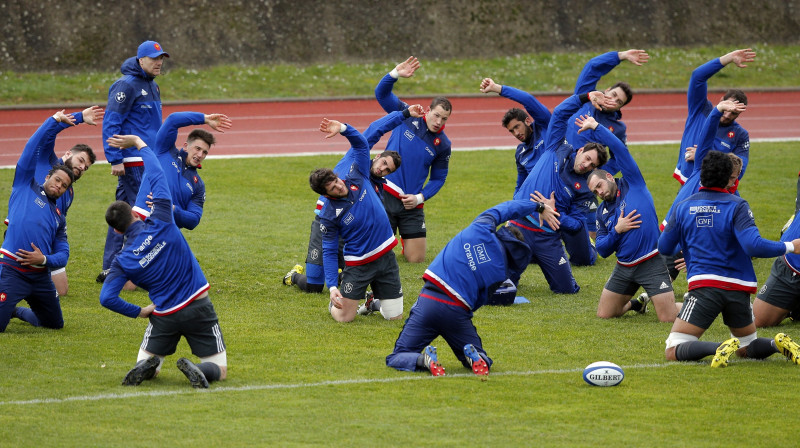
(473, 264)
(155, 256)
(719, 236)
(729, 138)
(595, 69)
(187, 187)
(528, 152)
(635, 245)
(33, 216)
(359, 217)
(425, 155)
(134, 107)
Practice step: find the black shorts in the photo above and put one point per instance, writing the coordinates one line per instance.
(314, 255)
(197, 322)
(782, 288)
(703, 305)
(651, 274)
(383, 274)
(411, 223)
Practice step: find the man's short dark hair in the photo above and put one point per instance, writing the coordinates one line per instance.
(203, 135)
(625, 88)
(514, 113)
(321, 177)
(736, 95)
(516, 232)
(716, 170)
(597, 172)
(80, 147)
(394, 155)
(67, 170)
(602, 154)
(118, 216)
(442, 101)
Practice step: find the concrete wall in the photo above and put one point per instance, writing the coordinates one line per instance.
(84, 34)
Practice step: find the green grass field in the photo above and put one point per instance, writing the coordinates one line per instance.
(297, 378)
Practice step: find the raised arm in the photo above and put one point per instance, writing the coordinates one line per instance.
(535, 109)
(153, 174)
(624, 160)
(381, 126)
(383, 91)
(358, 144)
(168, 132)
(599, 66)
(561, 114)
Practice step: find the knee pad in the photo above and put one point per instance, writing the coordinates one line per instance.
(675, 339)
(144, 355)
(744, 341)
(220, 359)
(391, 308)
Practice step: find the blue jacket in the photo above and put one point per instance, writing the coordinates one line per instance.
(155, 256)
(553, 172)
(187, 188)
(474, 263)
(719, 236)
(359, 218)
(528, 153)
(731, 138)
(595, 69)
(635, 245)
(426, 155)
(33, 216)
(134, 107)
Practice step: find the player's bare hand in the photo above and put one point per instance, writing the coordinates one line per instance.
(62, 117)
(739, 57)
(330, 127)
(680, 264)
(407, 68)
(92, 115)
(416, 110)
(585, 122)
(488, 85)
(689, 154)
(336, 298)
(218, 122)
(118, 169)
(147, 311)
(731, 106)
(126, 141)
(600, 101)
(409, 201)
(635, 57)
(796, 244)
(30, 257)
(628, 222)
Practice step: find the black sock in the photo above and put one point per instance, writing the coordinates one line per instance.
(694, 350)
(635, 305)
(302, 282)
(211, 371)
(761, 348)
(421, 362)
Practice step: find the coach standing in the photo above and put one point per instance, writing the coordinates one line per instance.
(134, 107)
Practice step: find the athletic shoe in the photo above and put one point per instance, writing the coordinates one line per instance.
(644, 299)
(371, 304)
(101, 277)
(724, 352)
(432, 362)
(287, 279)
(476, 361)
(194, 373)
(144, 370)
(788, 347)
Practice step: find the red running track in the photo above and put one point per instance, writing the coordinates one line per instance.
(290, 127)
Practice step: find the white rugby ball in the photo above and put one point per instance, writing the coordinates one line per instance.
(603, 373)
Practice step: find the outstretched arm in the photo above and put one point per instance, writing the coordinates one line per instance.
(153, 173)
(534, 107)
(383, 91)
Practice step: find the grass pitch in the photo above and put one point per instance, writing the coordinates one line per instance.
(297, 378)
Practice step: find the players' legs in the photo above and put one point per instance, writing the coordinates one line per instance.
(549, 253)
(779, 295)
(613, 304)
(199, 325)
(45, 308)
(347, 313)
(700, 309)
(414, 249)
(665, 306)
(579, 246)
(59, 278)
(355, 280)
(418, 331)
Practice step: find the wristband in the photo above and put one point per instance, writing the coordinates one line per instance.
(420, 198)
(344, 128)
(789, 247)
(394, 74)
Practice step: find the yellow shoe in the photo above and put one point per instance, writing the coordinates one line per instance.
(788, 347)
(724, 352)
(297, 269)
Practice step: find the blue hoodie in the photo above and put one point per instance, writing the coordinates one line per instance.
(134, 107)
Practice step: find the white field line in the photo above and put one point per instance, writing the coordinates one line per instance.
(222, 389)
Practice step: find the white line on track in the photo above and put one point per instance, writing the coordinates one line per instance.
(407, 377)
